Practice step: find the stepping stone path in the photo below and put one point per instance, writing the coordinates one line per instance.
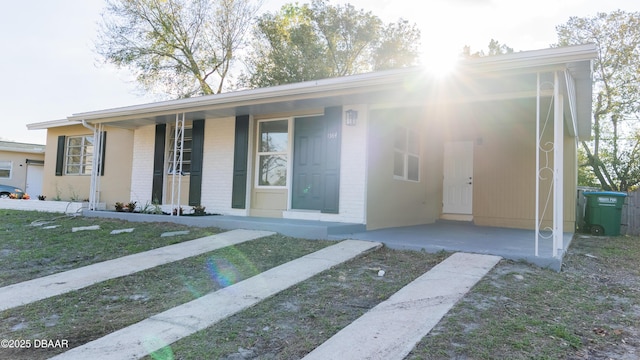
(85, 228)
(121, 231)
(174, 233)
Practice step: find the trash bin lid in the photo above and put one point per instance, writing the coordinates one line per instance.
(604, 193)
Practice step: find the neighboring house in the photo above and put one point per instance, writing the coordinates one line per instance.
(21, 165)
(386, 149)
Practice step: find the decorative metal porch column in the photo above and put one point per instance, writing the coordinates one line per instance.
(176, 171)
(544, 168)
(96, 166)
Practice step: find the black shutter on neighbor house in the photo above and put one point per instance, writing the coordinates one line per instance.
(103, 142)
(158, 163)
(197, 148)
(60, 155)
(333, 121)
(240, 156)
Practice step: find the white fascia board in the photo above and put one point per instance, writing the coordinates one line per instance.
(307, 89)
(36, 149)
(50, 124)
(534, 58)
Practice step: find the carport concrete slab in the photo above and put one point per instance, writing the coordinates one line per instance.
(393, 328)
(453, 236)
(60, 283)
(158, 331)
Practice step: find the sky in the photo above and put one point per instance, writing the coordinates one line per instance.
(49, 69)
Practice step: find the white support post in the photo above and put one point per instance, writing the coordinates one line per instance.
(179, 165)
(96, 165)
(558, 168)
(537, 201)
(176, 170)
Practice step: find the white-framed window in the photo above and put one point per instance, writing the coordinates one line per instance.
(5, 169)
(273, 153)
(186, 150)
(406, 154)
(79, 155)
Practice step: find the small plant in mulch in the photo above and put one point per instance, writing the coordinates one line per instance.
(176, 210)
(198, 210)
(42, 197)
(122, 207)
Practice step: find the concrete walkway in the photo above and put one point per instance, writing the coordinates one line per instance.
(158, 331)
(60, 283)
(393, 328)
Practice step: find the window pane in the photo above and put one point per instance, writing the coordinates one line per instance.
(75, 141)
(73, 160)
(414, 143)
(398, 163)
(5, 169)
(274, 136)
(413, 168)
(187, 144)
(400, 141)
(73, 169)
(272, 170)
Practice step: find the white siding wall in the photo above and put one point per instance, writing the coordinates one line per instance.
(142, 168)
(353, 174)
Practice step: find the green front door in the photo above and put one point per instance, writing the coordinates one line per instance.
(316, 166)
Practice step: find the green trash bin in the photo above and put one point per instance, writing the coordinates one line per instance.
(603, 212)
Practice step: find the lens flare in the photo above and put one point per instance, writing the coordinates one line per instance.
(158, 349)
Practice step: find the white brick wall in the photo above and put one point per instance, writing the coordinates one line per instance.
(353, 168)
(217, 169)
(142, 171)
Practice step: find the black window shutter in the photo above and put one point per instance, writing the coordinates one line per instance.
(103, 142)
(197, 148)
(60, 155)
(333, 121)
(240, 155)
(158, 163)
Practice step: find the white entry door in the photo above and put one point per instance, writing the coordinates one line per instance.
(457, 197)
(35, 173)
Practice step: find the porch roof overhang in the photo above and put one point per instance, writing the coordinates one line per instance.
(409, 86)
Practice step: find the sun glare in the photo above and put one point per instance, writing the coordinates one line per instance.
(441, 64)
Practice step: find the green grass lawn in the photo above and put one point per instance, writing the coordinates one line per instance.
(28, 249)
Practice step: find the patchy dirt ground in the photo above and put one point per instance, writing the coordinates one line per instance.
(590, 310)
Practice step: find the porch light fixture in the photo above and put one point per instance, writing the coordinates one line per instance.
(351, 117)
